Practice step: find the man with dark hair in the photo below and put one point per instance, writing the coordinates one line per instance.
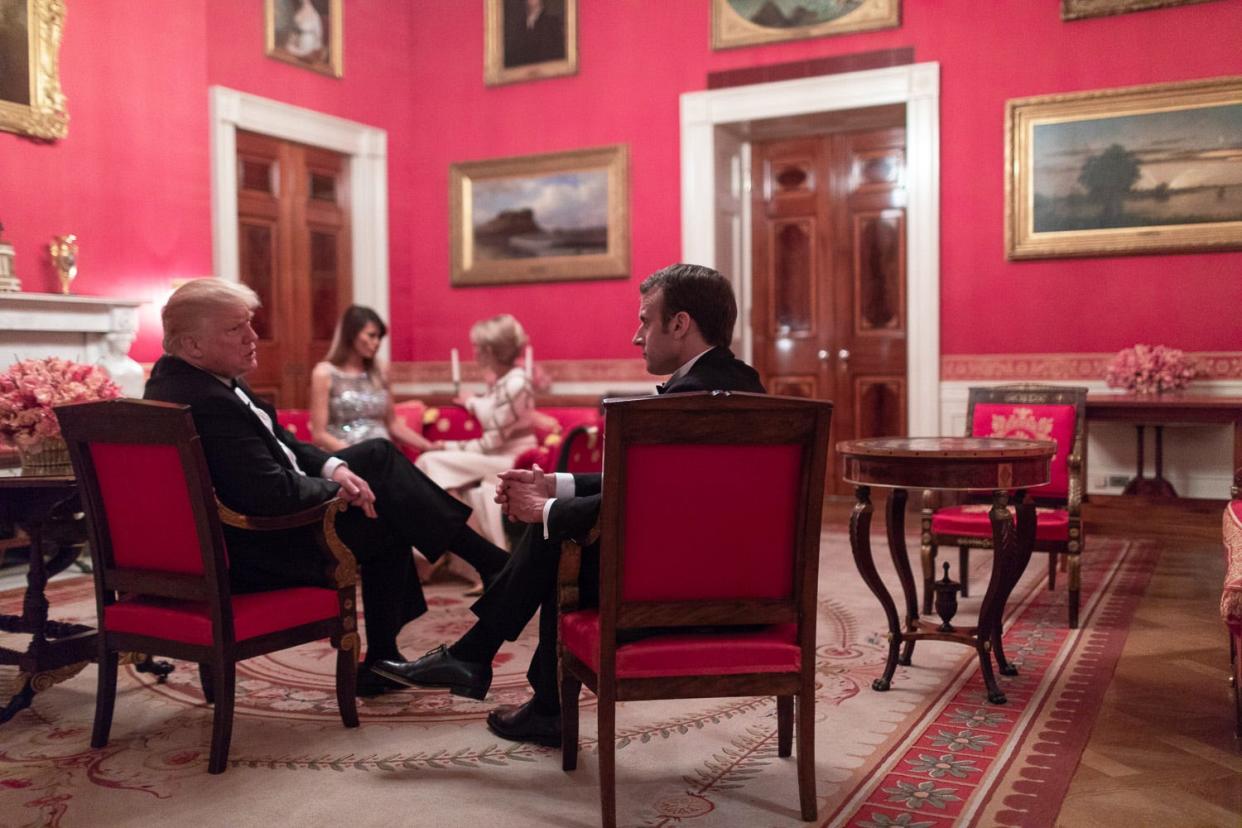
(686, 318)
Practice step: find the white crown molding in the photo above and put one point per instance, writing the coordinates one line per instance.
(918, 87)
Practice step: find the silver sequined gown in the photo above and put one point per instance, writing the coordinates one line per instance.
(357, 407)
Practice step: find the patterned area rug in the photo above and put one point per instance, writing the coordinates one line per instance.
(930, 752)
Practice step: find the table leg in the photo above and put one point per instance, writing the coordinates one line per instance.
(860, 544)
(34, 603)
(1012, 548)
(20, 701)
(895, 523)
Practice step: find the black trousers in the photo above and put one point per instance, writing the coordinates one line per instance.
(413, 511)
(526, 584)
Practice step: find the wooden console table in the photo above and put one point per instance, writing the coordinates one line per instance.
(1159, 410)
(966, 464)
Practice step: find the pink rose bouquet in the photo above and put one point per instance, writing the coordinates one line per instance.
(30, 388)
(1150, 369)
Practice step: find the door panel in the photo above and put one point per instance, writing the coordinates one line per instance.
(828, 229)
(294, 248)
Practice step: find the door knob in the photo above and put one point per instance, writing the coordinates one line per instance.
(823, 355)
(844, 354)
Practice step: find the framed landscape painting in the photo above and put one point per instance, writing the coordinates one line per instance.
(541, 218)
(306, 33)
(1079, 9)
(1143, 169)
(748, 22)
(31, 102)
(529, 39)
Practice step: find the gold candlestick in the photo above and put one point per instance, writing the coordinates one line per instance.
(64, 250)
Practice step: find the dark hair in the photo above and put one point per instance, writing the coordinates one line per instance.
(702, 293)
(353, 320)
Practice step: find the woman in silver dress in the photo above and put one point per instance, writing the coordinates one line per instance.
(349, 399)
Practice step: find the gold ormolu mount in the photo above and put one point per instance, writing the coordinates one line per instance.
(64, 250)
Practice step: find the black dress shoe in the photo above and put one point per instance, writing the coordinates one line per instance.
(371, 685)
(525, 724)
(439, 669)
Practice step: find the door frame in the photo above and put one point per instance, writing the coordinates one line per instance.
(917, 86)
(366, 150)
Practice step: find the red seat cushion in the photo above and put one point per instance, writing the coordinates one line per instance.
(972, 521)
(254, 614)
(770, 650)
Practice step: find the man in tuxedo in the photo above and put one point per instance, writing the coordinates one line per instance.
(686, 319)
(258, 468)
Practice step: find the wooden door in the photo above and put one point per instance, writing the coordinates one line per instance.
(293, 240)
(828, 234)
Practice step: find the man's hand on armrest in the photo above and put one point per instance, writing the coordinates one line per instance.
(354, 490)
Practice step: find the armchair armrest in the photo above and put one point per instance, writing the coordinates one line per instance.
(343, 569)
(568, 597)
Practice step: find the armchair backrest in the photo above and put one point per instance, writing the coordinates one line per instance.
(148, 498)
(1036, 412)
(582, 450)
(711, 510)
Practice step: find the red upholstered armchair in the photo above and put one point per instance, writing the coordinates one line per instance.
(1034, 412)
(1231, 596)
(707, 576)
(583, 450)
(161, 570)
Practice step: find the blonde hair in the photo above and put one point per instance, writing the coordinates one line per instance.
(502, 336)
(184, 312)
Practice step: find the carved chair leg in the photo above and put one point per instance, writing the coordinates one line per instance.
(806, 752)
(1074, 588)
(1052, 571)
(224, 677)
(571, 688)
(608, 758)
(105, 698)
(963, 569)
(784, 725)
(204, 679)
(347, 678)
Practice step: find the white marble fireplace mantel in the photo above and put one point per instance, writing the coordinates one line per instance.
(90, 329)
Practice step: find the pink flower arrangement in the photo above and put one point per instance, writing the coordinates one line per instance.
(1150, 369)
(30, 388)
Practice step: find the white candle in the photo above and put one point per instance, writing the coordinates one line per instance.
(530, 361)
(456, 366)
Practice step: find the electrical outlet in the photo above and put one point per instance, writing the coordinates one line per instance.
(1116, 481)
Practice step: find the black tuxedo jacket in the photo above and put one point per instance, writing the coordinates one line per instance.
(716, 370)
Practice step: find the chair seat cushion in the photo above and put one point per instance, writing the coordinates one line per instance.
(254, 614)
(1231, 596)
(769, 650)
(972, 521)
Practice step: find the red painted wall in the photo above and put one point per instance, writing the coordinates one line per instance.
(132, 179)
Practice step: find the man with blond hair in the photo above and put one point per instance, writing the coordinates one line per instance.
(258, 468)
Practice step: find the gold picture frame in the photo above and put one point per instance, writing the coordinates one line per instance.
(1142, 169)
(1081, 9)
(306, 33)
(519, 48)
(31, 101)
(541, 218)
(749, 22)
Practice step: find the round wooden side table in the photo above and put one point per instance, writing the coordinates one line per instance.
(966, 464)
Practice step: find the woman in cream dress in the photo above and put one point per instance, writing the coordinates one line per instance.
(468, 468)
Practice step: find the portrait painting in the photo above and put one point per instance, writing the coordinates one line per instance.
(306, 33)
(1144, 169)
(1081, 9)
(541, 218)
(31, 101)
(749, 22)
(529, 39)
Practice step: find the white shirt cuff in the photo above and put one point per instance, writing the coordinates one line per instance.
(547, 508)
(329, 466)
(565, 486)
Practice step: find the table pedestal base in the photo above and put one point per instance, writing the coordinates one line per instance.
(1013, 546)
